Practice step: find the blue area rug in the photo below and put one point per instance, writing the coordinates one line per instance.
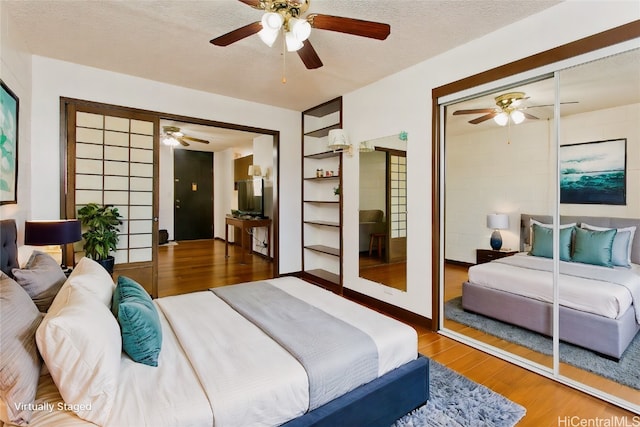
(624, 372)
(456, 401)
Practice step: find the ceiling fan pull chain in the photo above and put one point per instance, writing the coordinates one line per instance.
(284, 57)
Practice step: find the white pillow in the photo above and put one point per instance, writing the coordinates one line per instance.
(79, 340)
(621, 249)
(91, 276)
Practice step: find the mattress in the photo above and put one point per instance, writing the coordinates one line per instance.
(594, 296)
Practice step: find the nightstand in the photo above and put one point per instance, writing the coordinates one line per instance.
(486, 255)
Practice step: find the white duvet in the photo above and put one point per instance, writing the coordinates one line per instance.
(249, 379)
(590, 295)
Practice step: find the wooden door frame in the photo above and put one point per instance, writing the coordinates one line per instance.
(65, 165)
(601, 40)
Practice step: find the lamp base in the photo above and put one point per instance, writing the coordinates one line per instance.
(496, 240)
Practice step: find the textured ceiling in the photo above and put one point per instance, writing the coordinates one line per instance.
(168, 41)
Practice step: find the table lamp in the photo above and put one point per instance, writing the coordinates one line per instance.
(497, 222)
(54, 232)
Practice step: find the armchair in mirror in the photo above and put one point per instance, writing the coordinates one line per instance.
(382, 215)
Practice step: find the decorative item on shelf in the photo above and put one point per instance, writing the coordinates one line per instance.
(319, 173)
(497, 222)
(336, 190)
(55, 232)
(339, 141)
(101, 237)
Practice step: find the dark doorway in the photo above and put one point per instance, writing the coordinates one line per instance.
(193, 190)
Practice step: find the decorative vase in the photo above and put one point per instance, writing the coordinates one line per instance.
(107, 263)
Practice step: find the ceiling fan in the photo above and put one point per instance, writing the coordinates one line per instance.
(509, 108)
(286, 16)
(173, 136)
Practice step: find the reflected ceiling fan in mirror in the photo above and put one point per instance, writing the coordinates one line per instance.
(509, 109)
(173, 136)
(285, 16)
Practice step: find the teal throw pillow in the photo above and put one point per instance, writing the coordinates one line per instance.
(543, 242)
(139, 321)
(594, 247)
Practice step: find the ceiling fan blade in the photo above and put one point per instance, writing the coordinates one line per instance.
(475, 111)
(256, 4)
(551, 105)
(309, 56)
(530, 116)
(357, 27)
(483, 118)
(182, 141)
(237, 34)
(190, 138)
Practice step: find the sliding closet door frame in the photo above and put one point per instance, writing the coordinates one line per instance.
(610, 42)
(69, 108)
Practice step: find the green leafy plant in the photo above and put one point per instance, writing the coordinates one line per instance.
(336, 190)
(101, 235)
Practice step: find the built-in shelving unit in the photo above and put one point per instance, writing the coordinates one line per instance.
(321, 207)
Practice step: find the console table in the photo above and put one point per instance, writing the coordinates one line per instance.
(244, 225)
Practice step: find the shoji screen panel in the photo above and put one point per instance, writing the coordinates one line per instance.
(111, 162)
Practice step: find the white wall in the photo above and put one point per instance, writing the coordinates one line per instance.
(53, 79)
(403, 102)
(15, 72)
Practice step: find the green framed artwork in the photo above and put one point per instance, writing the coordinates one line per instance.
(8, 145)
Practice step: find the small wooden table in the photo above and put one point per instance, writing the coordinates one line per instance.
(487, 255)
(244, 225)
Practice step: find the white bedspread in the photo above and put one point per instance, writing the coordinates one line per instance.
(249, 378)
(593, 296)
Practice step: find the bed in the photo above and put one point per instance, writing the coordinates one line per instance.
(599, 304)
(214, 358)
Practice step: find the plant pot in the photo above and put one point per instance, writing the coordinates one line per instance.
(107, 263)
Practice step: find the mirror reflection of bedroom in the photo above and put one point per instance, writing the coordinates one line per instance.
(505, 179)
(382, 215)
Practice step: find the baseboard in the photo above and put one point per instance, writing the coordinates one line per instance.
(386, 308)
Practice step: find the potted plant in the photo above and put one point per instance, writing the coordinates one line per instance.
(101, 235)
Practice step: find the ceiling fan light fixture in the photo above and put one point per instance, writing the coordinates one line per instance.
(170, 141)
(300, 28)
(272, 21)
(293, 43)
(501, 119)
(517, 117)
(267, 36)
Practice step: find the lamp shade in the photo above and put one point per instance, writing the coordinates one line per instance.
(338, 140)
(56, 232)
(498, 221)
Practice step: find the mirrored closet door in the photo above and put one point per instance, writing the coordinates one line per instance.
(539, 208)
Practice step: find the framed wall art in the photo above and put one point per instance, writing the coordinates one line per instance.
(594, 172)
(9, 106)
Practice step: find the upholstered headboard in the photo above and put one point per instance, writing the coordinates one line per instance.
(8, 246)
(525, 230)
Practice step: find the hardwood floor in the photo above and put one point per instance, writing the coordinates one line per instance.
(201, 264)
(198, 265)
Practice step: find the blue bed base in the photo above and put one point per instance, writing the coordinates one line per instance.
(378, 403)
